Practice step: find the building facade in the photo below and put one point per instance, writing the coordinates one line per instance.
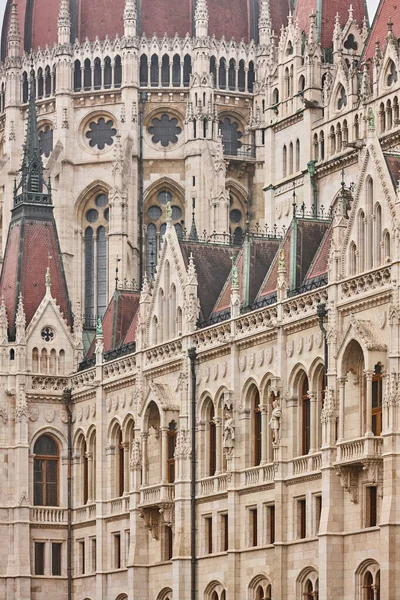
(200, 310)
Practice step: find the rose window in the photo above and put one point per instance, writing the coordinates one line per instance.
(164, 130)
(101, 133)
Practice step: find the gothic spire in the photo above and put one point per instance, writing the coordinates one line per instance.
(265, 24)
(64, 23)
(32, 189)
(14, 36)
(201, 19)
(130, 18)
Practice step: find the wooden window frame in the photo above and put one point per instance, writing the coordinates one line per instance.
(209, 534)
(271, 523)
(225, 532)
(371, 505)
(82, 561)
(117, 550)
(301, 518)
(45, 459)
(253, 514)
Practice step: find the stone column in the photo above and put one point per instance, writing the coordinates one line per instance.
(265, 433)
(368, 399)
(342, 384)
(218, 448)
(164, 454)
(125, 447)
(313, 421)
(145, 471)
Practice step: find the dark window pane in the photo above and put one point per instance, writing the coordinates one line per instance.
(92, 215)
(46, 141)
(176, 213)
(89, 272)
(236, 216)
(56, 559)
(39, 558)
(154, 212)
(45, 446)
(101, 271)
(117, 72)
(164, 197)
(101, 200)
(230, 136)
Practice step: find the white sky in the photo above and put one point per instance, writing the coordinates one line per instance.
(372, 5)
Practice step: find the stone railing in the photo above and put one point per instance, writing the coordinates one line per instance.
(359, 449)
(157, 493)
(49, 383)
(119, 506)
(257, 475)
(83, 379)
(304, 305)
(84, 513)
(52, 515)
(213, 336)
(365, 283)
(121, 366)
(213, 485)
(306, 464)
(253, 322)
(165, 352)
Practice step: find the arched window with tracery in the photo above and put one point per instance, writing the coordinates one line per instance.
(290, 167)
(316, 146)
(382, 118)
(176, 71)
(322, 145)
(297, 155)
(386, 246)
(377, 243)
(332, 138)
(107, 73)
(117, 72)
(368, 581)
(212, 441)
(284, 161)
(46, 472)
(251, 77)
(47, 82)
(87, 75)
(232, 75)
(154, 71)
(361, 240)
(187, 70)
(256, 426)
(96, 216)
(165, 71)
(222, 74)
(241, 77)
(25, 87)
(40, 83)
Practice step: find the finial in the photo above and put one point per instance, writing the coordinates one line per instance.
(265, 23)
(235, 275)
(48, 281)
(294, 203)
(191, 266)
(201, 19)
(351, 12)
(390, 25)
(14, 36)
(130, 18)
(193, 230)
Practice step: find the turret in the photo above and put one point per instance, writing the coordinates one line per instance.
(14, 36)
(130, 18)
(201, 19)
(265, 24)
(64, 23)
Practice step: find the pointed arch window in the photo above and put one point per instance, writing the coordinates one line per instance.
(342, 98)
(77, 76)
(46, 472)
(87, 75)
(107, 73)
(165, 71)
(257, 429)
(251, 77)
(176, 71)
(40, 83)
(144, 70)
(47, 82)
(391, 74)
(187, 70)
(96, 255)
(232, 75)
(222, 74)
(241, 77)
(213, 70)
(154, 71)
(117, 72)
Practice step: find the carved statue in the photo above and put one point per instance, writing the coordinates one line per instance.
(371, 118)
(235, 276)
(229, 435)
(275, 421)
(99, 328)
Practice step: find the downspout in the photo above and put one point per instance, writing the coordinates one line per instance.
(193, 566)
(67, 402)
(142, 101)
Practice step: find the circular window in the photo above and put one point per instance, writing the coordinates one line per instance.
(164, 197)
(164, 130)
(101, 200)
(154, 212)
(47, 334)
(176, 213)
(101, 133)
(236, 216)
(92, 215)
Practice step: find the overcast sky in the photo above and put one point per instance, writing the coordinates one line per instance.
(372, 4)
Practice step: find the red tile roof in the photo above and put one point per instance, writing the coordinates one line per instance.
(319, 266)
(387, 10)
(328, 12)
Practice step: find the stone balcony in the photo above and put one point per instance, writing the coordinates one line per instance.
(359, 455)
(156, 494)
(156, 506)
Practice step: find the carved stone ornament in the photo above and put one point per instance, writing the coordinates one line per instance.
(260, 359)
(251, 361)
(289, 348)
(3, 414)
(151, 518)
(166, 511)
(269, 353)
(374, 470)
(349, 480)
(24, 500)
(309, 342)
(242, 363)
(299, 345)
(49, 415)
(135, 458)
(183, 447)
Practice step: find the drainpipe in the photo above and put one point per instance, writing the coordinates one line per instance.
(142, 102)
(67, 402)
(193, 569)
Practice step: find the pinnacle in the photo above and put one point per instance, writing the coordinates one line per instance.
(201, 10)
(63, 15)
(130, 12)
(13, 30)
(265, 16)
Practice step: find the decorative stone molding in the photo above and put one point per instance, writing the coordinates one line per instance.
(151, 518)
(349, 475)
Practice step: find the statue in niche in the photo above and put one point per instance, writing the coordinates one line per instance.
(275, 421)
(229, 434)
